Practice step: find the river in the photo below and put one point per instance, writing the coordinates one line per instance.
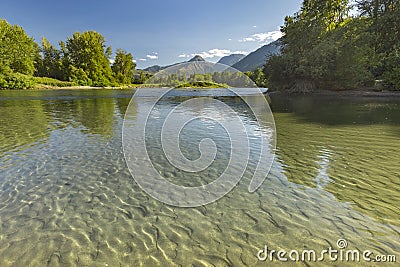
(67, 197)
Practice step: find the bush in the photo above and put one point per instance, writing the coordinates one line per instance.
(79, 77)
(391, 76)
(102, 82)
(51, 82)
(12, 80)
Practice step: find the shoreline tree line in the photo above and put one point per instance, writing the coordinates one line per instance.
(328, 45)
(325, 47)
(83, 59)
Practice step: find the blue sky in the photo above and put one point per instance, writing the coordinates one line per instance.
(157, 32)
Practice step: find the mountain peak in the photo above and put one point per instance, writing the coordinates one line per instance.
(196, 58)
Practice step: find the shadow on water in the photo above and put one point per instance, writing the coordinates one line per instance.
(348, 147)
(340, 110)
(22, 123)
(30, 117)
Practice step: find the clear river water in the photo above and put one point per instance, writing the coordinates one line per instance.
(67, 197)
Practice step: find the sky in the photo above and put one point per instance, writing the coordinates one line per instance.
(157, 32)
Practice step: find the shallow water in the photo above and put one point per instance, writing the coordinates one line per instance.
(67, 197)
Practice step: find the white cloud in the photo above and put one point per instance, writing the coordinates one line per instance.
(112, 60)
(240, 52)
(153, 56)
(212, 53)
(230, 39)
(264, 37)
(142, 59)
(248, 39)
(255, 26)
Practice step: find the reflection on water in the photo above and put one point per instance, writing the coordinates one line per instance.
(352, 146)
(67, 197)
(22, 123)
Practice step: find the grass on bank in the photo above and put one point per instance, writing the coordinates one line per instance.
(202, 84)
(18, 81)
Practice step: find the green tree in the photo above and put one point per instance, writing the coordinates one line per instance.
(323, 48)
(258, 77)
(141, 76)
(326, 48)
(18, 51)
(87, 51)
(123, 67)
(384, 28)
(385, 18)
(51, 62)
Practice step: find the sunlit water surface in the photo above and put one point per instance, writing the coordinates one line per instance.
(67, 197)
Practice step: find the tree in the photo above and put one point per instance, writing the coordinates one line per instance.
(51, 62)
(18, 51)
(384, 20)
(87, 51)
(140, 76)
(123, 67)
(258, 77)
(323, 48)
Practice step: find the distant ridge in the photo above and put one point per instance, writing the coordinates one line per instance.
(231, 59)
(258, 58)
(154, 69)
(157, 68)
(240, 62)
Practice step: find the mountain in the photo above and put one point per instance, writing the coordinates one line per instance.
(231, 59)
(258, 58)
(156, 68)
(196, 58)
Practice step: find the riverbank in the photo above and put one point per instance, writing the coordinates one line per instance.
(81, 87)
(344, 93)
(49, 87)
(327, 93)
(201, 85)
